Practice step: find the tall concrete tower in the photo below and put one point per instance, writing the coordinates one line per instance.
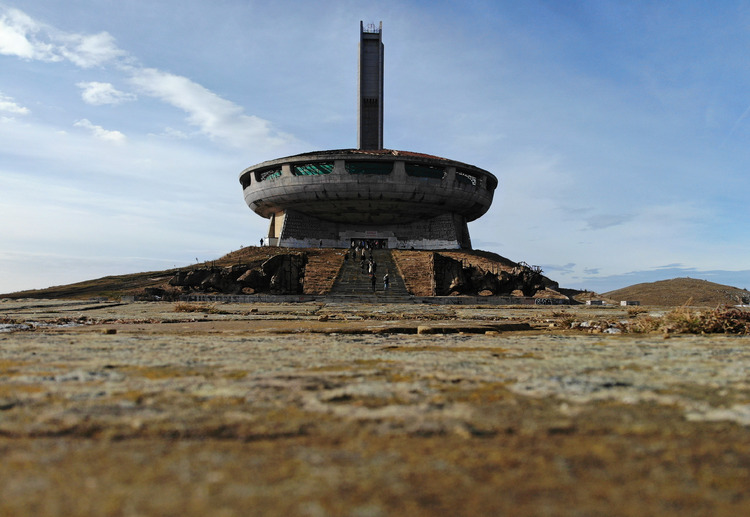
(370, 131)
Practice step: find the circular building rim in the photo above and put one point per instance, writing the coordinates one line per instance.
(352, 155)
(353, 185)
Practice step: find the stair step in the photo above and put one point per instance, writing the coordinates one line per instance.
(353, 281)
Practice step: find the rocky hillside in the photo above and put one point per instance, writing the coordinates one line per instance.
(415, 266)
(115, 286)
(475, 271)
(681, 291)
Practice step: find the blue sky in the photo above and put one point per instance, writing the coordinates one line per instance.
(618, 130)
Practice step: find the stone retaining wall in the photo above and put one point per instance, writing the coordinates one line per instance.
(435, 300)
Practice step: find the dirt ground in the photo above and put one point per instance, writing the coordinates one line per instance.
(365, 410)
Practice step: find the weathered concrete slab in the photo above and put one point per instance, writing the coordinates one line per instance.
(266, 407)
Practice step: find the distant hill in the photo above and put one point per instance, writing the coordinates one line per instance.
(681, 291)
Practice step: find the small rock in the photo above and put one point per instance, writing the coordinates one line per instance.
(109, 331)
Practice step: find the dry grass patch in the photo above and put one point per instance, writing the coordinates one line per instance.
(13, 390)
(165, 372)
(682, 320)
(235, 375)
(724, 320)
(634, 311)
(685, 320)
(8, 367)
(198, 307)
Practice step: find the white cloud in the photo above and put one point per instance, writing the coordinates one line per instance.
(87, 51)
(219, 119)
(172, 133)
(8, 105)
(216, 117)
(97, 93)
(22, 36)
(100, 132)
(17, 37)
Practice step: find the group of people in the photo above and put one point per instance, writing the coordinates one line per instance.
(370, 244)
(363, 251)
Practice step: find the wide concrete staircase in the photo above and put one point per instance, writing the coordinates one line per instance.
(355, 282)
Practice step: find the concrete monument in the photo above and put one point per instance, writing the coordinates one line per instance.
(402, 199)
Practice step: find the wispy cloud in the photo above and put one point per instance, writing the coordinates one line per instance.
(18, 37)
(96, 93)
(92, 50)
(24, 37)
(172, 133)
(101, 133)
(559, 269)
(737, 124)
(216, 117)
(603, 221)
(9, 105)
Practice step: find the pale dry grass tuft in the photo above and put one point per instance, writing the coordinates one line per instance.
(197, 307)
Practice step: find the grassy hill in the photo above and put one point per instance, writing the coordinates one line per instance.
(106, 287)
(114, 287)
(120, 285)
(681, 291)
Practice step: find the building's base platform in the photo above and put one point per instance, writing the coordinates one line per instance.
(292, 229)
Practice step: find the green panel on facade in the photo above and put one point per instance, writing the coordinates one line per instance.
(269, 174)
(312, 169)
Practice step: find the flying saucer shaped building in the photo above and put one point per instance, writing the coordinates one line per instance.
(400, 198)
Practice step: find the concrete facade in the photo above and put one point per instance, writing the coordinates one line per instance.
(409, 200)
(445, 231)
